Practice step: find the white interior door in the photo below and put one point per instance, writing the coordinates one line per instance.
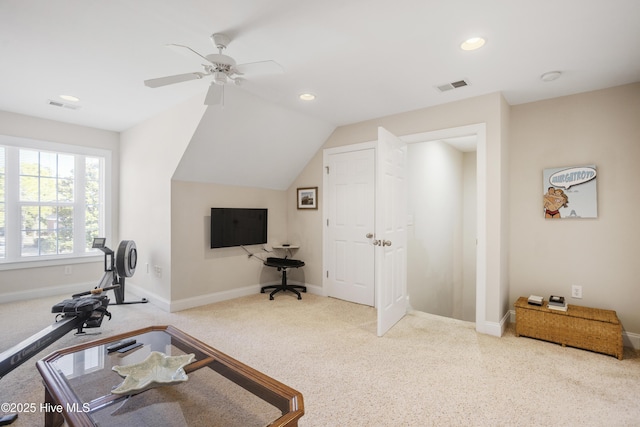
(350, 182)
(391, 230)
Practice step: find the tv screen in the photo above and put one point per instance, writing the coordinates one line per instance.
(238, 227)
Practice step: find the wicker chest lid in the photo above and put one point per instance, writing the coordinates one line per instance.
(597, 314)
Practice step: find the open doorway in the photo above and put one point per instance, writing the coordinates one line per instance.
(330, 255)
(441, 243)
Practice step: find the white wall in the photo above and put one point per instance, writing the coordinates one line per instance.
(469, 235)
(23, 281)
(442, 207)
(434, 252)
(601, 255)
(150, 153)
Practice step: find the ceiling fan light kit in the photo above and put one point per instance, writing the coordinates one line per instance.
(222, 68)
(220, 78)
(473, 43)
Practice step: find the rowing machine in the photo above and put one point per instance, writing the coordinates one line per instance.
(82, 310)
(118, 267)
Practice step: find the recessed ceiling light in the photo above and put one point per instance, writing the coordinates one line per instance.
(550, 76)
(70, 98)
(307, 96)
(473, 43)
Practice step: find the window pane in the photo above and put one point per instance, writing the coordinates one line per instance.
(65, 190)
(65, 166)
(30, 231)
(92, 168)
(29, 189)
(90, 234)
(93, 199)
(30, 218)
(48, 230)
(48, 164)
(29, 162)
(48, 191)
(65, 230)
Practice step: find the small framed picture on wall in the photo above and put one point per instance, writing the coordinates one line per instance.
(308, 198)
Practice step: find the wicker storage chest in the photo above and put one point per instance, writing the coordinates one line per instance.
(582, 327)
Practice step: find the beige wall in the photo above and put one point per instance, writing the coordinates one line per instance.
(23, 281)
(601, 255)
(201, 272)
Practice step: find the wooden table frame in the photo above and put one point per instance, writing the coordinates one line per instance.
(58, 391)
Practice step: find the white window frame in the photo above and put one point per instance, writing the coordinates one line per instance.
(13, 258)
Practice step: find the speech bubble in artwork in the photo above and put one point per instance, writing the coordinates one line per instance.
(567, 178)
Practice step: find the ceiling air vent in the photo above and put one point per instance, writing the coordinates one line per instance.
(62, 105)
(453, 85)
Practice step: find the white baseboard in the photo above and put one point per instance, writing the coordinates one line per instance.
(629, 339)
(200, 300)
(154, 299)
(495, 329)
(192, 302)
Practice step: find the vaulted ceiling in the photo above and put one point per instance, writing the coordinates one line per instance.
(361, 58)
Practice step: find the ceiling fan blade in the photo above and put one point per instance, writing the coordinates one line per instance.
(169, 80)
(180, 48)
(261, 67)
(214, 95)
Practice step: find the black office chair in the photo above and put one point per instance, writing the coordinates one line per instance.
(282, 264)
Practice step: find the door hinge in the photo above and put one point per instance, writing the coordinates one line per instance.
(327, 168)
(327, 222)
(327, 274)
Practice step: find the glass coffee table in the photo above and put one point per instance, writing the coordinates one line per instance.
(220, 390)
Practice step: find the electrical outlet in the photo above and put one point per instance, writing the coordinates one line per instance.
(158, 270)
(576, 291)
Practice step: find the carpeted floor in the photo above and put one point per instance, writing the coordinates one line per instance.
(426, 371)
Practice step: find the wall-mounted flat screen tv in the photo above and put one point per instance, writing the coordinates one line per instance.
(238, 227)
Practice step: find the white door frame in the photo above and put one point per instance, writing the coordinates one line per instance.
(482, 325)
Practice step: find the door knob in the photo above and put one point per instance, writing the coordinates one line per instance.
(369, 235)
(377, 243)
(386, 243)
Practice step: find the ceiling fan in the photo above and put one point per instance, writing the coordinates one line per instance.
(222, 68)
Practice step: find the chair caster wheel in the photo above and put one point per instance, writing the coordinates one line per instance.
(270, 297)
(262, 291)
(299, 297)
